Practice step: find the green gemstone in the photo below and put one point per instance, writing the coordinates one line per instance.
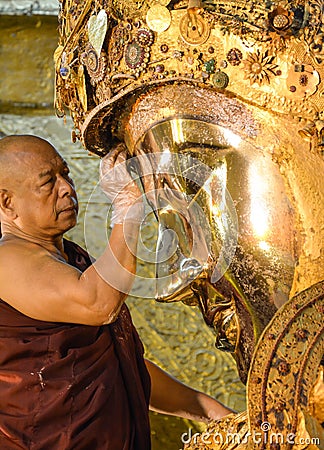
(210, 66)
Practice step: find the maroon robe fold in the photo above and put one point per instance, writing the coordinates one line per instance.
(68, 386)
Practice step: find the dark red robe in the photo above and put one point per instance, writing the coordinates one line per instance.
(67, 386)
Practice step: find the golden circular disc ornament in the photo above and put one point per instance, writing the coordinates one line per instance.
(158, 18)
(194, 30)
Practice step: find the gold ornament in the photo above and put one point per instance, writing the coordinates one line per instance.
(194, 30)
(302, 80)
(95, 64)
(97, 29)
(158, 18)
(285, 388)
(259, 68)
(82, 88)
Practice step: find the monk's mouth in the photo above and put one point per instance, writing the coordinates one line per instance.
(72, 208)
(69, 209)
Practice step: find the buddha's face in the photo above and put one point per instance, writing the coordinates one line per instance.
(226, 230)
(238, 205)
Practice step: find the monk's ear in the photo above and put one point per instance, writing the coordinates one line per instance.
(6, 204)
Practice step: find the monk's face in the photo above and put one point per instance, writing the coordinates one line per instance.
(44, 196)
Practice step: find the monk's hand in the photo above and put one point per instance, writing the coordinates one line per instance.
(120, 188)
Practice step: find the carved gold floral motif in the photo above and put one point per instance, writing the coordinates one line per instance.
(259, 67)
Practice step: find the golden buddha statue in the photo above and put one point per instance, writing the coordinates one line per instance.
(226, 98)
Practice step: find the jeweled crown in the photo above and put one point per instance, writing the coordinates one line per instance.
(269, 54)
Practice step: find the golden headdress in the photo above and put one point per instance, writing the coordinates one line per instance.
(269, 54)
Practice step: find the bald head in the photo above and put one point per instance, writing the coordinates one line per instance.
(19, 139)
(36, 191)
(20, 142)
(16, 152)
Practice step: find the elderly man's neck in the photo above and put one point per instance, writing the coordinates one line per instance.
(53, 244)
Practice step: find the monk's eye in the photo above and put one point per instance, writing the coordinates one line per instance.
(48, 182)
(66, 175)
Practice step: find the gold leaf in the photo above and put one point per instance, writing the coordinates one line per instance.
(58, 54)
(97, 29)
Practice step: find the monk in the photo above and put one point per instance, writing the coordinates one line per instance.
(72, 370)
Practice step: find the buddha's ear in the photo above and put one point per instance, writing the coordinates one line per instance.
(7, 205)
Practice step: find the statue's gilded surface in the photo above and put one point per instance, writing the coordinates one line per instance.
(227, 100)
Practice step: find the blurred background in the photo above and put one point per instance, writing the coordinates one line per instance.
(174, 335)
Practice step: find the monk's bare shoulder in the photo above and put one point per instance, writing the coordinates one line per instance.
(15, 249)
(19, 256)
(49, 281)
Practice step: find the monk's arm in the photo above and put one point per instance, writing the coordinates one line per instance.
(45, 288)
(170, 396)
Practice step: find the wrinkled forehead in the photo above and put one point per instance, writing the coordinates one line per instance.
(35, 161)
(29, 163)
